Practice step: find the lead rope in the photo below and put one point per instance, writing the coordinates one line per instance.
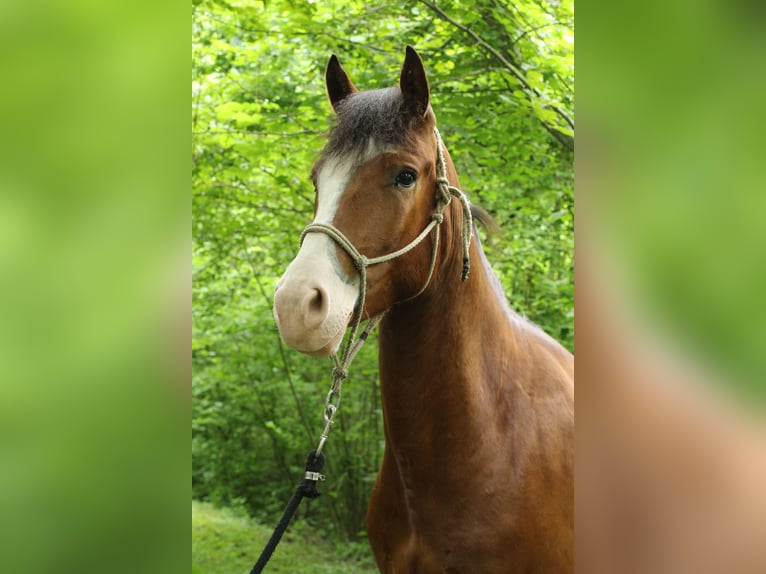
(316, 460)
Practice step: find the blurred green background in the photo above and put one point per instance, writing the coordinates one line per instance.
(673, 179)
(94, 287)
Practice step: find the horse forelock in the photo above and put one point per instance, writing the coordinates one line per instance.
(377, 118)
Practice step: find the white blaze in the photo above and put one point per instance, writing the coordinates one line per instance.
(315, 297)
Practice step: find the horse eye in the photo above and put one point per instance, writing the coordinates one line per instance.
(405, 178)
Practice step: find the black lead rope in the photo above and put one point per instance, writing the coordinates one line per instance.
(308, 489)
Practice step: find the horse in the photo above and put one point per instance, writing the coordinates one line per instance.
(478, 402)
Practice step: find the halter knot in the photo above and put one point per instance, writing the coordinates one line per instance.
(339, 374)
(361, 262)
(438, 218)
(443, 188)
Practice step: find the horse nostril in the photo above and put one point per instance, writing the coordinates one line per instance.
(316, 307)
(315, 304)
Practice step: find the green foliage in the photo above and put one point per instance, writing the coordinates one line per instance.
(259, 112)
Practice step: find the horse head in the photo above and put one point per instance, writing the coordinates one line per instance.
(377, 194)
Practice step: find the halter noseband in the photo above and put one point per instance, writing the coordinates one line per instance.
(444, 193)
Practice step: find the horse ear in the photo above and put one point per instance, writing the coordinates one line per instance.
(413, 82)
(339, 85)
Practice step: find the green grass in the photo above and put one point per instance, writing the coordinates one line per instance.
(225, 543)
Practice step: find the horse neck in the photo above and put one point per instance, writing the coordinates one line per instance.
(432, 348)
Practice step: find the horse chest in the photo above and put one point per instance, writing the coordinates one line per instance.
(442, 527)
(469, 511)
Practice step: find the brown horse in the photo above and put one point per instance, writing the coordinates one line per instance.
(478, 403)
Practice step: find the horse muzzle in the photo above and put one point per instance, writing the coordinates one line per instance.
(312, 301)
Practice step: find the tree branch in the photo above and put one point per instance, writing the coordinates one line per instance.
(564, 139)
(451, 79)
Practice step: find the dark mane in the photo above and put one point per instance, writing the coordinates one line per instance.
(377, 115)
(483, 218)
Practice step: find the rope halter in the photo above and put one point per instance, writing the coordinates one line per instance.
(444, 194)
